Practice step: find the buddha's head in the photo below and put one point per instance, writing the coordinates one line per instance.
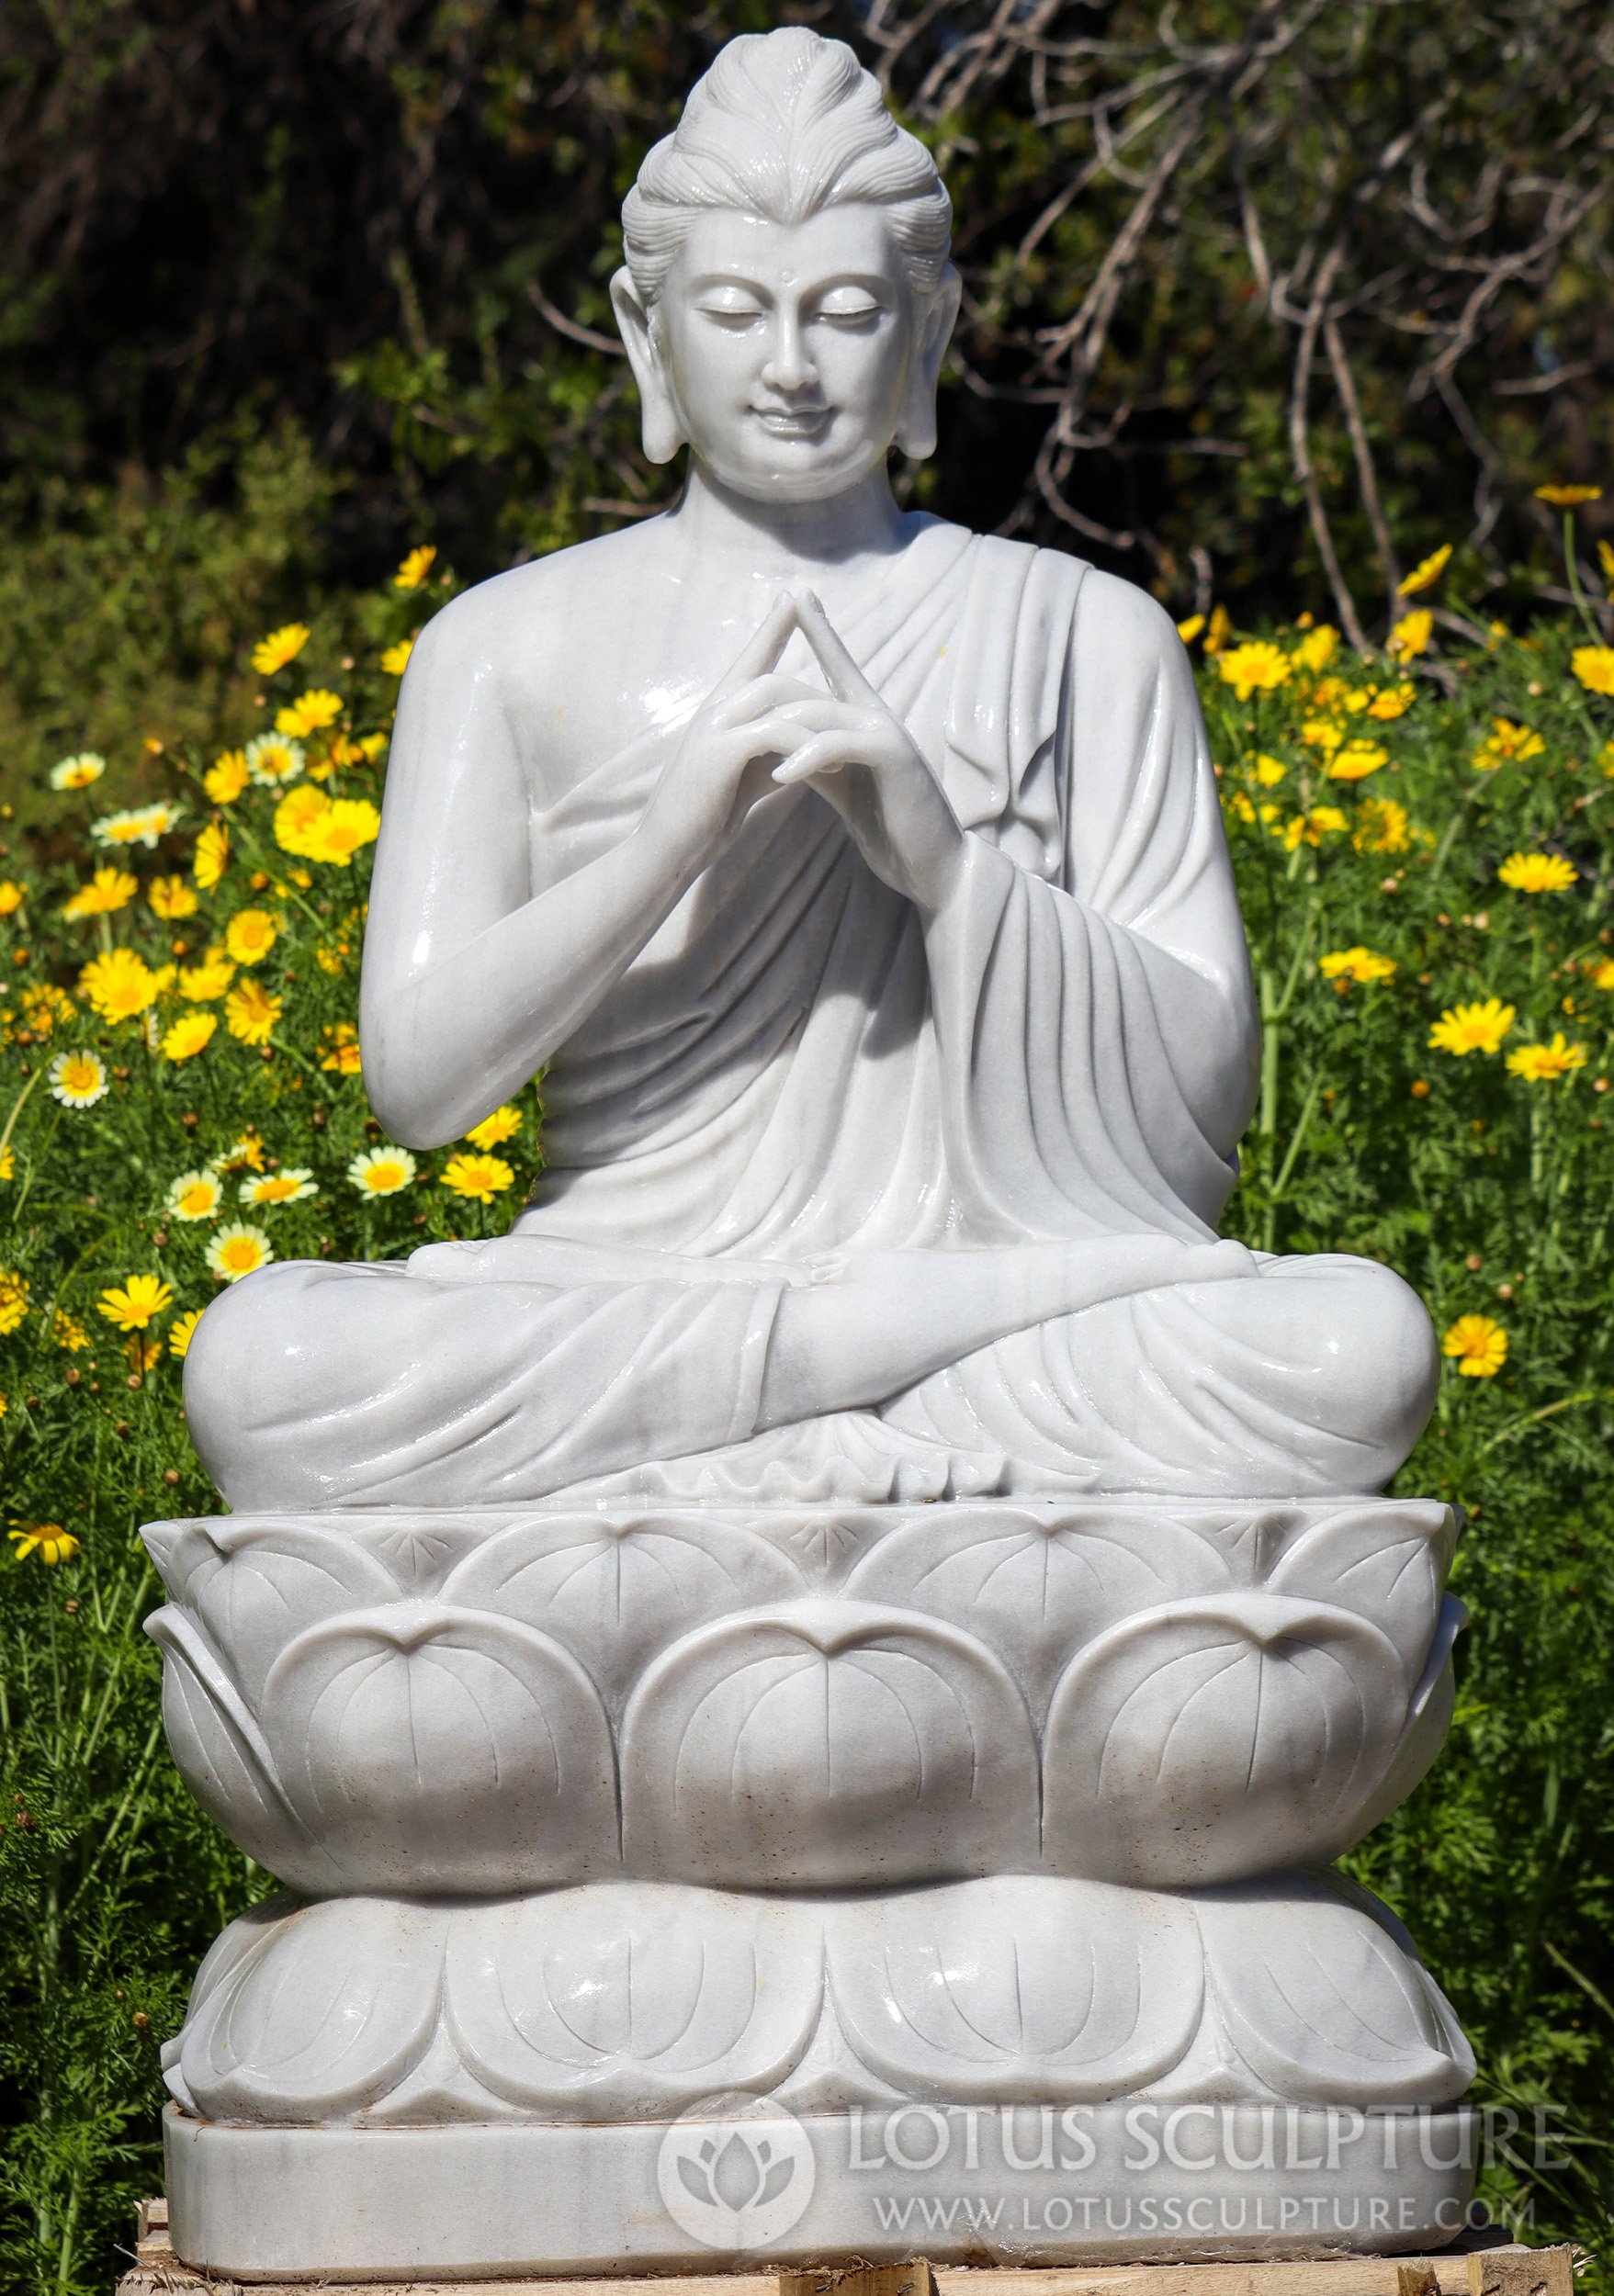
(787, 297)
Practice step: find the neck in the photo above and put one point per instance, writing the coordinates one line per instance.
(862, 523)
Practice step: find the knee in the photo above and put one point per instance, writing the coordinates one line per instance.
(242, 1352)
(1382, 1357)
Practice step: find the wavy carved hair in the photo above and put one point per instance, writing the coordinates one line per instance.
(783, 124)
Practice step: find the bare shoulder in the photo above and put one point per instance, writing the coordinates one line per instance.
(531, 621)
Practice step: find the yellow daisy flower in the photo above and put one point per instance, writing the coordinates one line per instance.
(237, 1251)
(14, 1298)
(143, 826)
(382, 1171)
(190, 1034)
(47, 1540)
(1356, 760)
(244, 1154)
(416, 568)
(170, 897)
(250, 1012)
(1602, 973)
(1411, 635)
(1255, 667)
(69, 1332)
(1593, 666)
(281, 645)
(1506, 743)
(1546, 1064)
(1390, 702)
(299, 808)
(212, 856)
(119, 984)
(480, 1176)
(1322, 732)
(1313, 826)
(273, 760)
(202, 982)
(1425, 574)
(395, 660)
(1269, 771)
(1318, 647)
(1537, 873)
(249, 935)
(77, 1079)
(345, 827)
(195, 1196)
(290, 1184)
(79, 771)
(109, 889)
(1218, 630)
(1356, 964)
(12, 896)
(1568, 498)
(310, 713)
(136, 1303)
(341, 1049)
(227, 777)
(182, 1333)
(493, 1131)
(1477, 1028)
(1479, 1345)
(1187, 631)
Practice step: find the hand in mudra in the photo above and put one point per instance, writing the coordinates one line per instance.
(759, 729)
(860, 758)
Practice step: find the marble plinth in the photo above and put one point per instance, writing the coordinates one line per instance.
(284, 2204)
(1012, 1782)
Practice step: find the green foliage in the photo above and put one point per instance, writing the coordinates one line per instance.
(1488, 1188)
(388, 225)
(112, 1884)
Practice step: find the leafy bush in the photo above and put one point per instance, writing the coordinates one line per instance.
(179, 1098)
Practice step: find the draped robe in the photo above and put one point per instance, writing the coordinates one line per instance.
(794, 1067)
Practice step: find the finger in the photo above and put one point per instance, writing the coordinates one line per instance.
(760, 694)
(825, 753)
(846, 680)
(763, 649)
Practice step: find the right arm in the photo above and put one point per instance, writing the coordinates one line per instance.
(472, 981)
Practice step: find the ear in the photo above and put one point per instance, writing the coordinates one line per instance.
(916, 424)
(660, 423)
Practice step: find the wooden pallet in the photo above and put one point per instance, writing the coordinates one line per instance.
(1503, 2271)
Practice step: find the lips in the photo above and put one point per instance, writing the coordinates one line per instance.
(807, 423)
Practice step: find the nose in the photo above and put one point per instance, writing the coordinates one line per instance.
(789, 366)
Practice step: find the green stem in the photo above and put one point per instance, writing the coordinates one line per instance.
(1576, 590)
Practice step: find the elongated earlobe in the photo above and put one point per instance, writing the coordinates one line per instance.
(660, 425)
(916, 424)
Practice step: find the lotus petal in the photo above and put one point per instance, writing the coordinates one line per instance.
(617, 1589)
(1323, 2001)
(1204, 1741)
(440, 1749)
(1021, 1987)
(1039, 1583)
(824, 1744)
(324, 2013)
(1385, 1558)
(224, 1758)
(632, 2002)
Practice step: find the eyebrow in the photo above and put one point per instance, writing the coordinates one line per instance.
(871, 281)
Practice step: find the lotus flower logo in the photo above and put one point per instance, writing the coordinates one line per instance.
(736, 2172)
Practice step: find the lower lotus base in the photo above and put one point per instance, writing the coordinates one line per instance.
(743, 2182)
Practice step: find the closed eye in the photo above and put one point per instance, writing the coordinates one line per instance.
(848, 306)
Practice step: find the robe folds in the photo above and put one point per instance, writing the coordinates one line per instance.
(794, 1069)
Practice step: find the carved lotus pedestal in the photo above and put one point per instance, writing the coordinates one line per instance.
(670, 1886)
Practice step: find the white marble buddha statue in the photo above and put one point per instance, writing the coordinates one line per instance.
(859, 884)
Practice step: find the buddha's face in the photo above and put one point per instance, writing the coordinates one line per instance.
(790, 355)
